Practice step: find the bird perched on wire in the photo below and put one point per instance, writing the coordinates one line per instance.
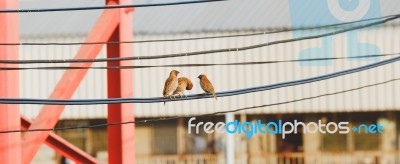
(206, 85)
(171, 84)
(183, 84)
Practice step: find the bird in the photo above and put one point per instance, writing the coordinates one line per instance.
(183, 84)
(171, 84)
(206, 85)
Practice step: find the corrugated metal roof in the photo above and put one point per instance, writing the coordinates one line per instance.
(149, 82)
(234, 15)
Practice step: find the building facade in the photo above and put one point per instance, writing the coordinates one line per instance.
(169, 141)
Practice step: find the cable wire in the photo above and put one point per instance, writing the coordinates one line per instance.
(189, 65)
(198, 52)
(200, 115)
(192, 38)
(32, 10)
(195, 96)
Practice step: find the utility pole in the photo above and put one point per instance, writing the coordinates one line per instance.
(121, 138)
(10, 143)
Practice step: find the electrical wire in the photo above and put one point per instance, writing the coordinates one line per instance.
(198, 52)
(32, 10)
(195, 96)
(189, 65)
(193, 38)
(201, 115)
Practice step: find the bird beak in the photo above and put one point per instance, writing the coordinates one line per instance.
(199, 77)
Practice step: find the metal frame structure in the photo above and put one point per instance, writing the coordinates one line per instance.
(113, 25)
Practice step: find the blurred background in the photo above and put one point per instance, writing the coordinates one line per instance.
(168, 141)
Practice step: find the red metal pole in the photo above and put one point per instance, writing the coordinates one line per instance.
(121, 138)
(69, 82)
(10, 144)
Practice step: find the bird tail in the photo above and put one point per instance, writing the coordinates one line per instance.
(189, 84)
(214, 95)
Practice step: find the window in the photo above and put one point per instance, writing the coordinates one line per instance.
(365, 141)
(165, 137)
(334, 142)
(352, 141)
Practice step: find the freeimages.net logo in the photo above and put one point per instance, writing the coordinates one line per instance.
(325, 12)
(280, 127)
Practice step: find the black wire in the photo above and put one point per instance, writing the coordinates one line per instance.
(201, 115)
(194, 38)
(187, 65)
(104, 7)
(198, 52)
(195, 96)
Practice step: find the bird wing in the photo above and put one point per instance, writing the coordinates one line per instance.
(210, 88)
(170, 85)
(206, 85)
(166, 85)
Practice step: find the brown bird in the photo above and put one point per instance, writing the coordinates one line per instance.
(171, 84)
(183, 84)
(206, 85)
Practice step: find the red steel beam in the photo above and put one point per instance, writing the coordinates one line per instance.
(69, 82)
(121, 138)
(10, 144)
(62, 146)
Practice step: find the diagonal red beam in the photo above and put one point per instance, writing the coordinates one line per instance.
(62, 146)
(69, 82)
